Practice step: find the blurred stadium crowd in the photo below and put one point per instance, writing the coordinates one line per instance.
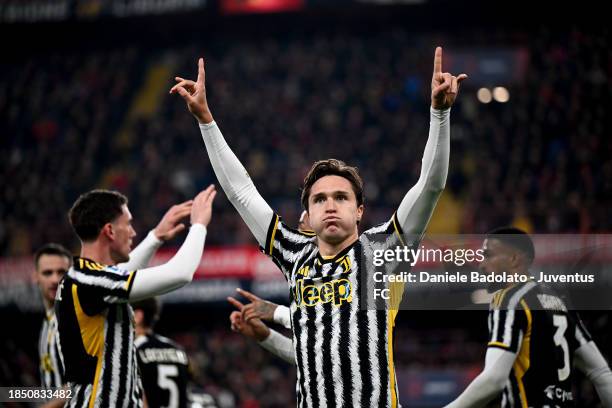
(103, 118)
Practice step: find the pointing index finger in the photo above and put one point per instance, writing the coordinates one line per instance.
(201, 71)
(247, 295)
(438, 61)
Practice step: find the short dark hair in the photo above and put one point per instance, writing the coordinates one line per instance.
(332, 167)
(94, 209)
(515, 238)
(151, 308)
(52, 249)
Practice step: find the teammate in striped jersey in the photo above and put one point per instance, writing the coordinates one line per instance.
(343, 347)
(95, 322)
(51, 262)
(535, 340)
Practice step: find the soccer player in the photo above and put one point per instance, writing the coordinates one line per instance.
(164, 367)
(248, 321)
(95, 322)
(343, 349)
(534, 341)
(51, 262)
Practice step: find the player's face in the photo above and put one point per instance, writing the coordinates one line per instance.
(333, 210)
(123, 233)
(49, 272)
(497, 257)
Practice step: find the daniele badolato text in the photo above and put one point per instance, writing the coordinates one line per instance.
(477, 277)
(458, 257)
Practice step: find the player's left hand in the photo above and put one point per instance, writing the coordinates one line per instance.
(170, 226)
(444, 85)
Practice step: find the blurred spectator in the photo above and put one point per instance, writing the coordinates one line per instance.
(73, 123)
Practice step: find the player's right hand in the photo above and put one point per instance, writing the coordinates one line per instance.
(255, 328)
(170, 226)
(258, 308)
(194, 94)
(201, 209)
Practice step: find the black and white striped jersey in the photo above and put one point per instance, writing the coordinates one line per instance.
(343, 344)
(48, 352)
(165, 371)
(534, 322)
(96, 336)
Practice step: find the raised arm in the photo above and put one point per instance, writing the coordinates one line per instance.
(418, 204)
(169, 226)
(179, 270)
(232, 176)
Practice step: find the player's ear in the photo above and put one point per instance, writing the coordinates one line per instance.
(107, 231)
(360, 210)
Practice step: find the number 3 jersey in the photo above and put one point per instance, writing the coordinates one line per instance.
(532, 321)
(164, 371)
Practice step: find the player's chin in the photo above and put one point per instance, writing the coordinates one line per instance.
(334, 235)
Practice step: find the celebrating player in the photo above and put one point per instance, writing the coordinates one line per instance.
(52, 261)
(534, 339)
(95, 322)
(343, 349)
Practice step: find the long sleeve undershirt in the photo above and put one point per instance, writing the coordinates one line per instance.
(282, 316)
(413, 213)
(175, 273)
(489, 383)
(592, 363)
(279, 345)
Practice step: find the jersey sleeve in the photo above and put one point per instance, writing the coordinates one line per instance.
(389, 234)
(581, 334)
(99, 285)
(382, 237)
(286, 245)
(508, 323)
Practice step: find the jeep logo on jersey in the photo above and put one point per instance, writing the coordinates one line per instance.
(337, 291)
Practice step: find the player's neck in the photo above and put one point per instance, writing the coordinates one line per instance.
(48, 305)
(327, 249)
(97, 252)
